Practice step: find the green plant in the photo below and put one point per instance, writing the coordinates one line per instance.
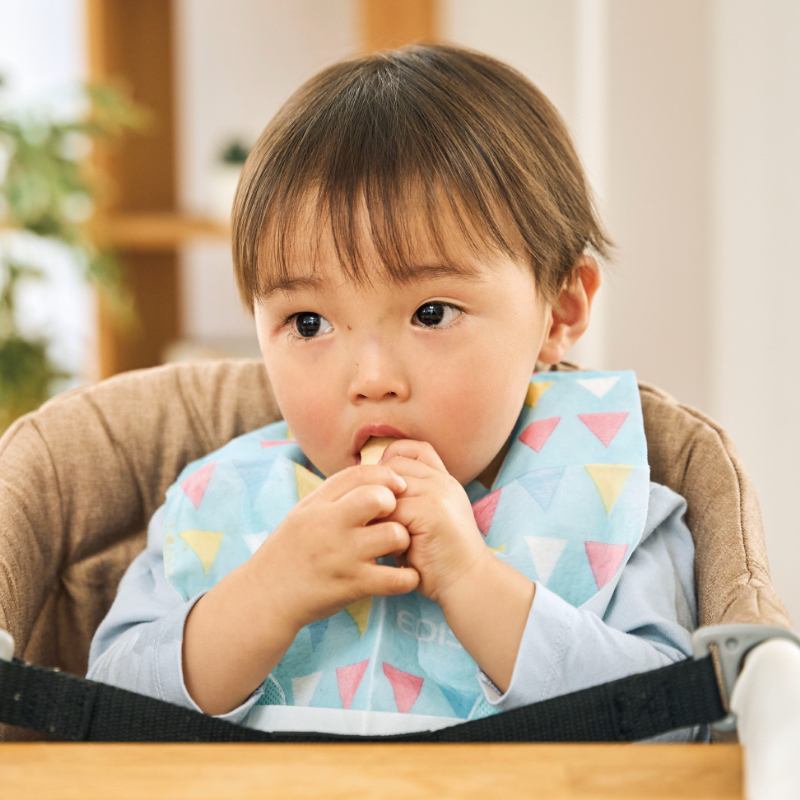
(45, 191)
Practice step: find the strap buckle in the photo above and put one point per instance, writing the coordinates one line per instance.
(6, 646)
(733, 643)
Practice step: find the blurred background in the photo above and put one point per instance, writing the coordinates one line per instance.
(686, 114)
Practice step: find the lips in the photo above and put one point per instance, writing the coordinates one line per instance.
(375, 429)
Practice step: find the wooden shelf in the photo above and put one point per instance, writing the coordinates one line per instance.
(155, 231)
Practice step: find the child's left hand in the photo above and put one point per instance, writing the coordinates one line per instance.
(435, 509)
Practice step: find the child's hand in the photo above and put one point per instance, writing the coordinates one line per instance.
(322, 556)
(445, 540)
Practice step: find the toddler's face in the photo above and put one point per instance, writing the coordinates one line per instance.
(445, 359)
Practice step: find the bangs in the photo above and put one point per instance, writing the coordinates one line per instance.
(414, 144)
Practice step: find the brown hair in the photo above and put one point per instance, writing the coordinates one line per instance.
(426, 124)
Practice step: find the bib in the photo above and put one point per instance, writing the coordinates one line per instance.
(567, 509)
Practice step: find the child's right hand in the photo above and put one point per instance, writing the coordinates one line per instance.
(322, 556)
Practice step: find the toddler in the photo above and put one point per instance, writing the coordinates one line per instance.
(415, 237)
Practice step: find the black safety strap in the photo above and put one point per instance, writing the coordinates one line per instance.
(637, 707)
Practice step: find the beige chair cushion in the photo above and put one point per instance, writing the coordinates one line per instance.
(80, 478)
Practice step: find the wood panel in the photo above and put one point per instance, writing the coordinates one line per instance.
(385, 771)
(387, 24)
(130, 42)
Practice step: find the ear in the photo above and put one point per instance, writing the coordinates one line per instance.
(571, 319)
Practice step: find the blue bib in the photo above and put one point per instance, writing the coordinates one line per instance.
(567, 509)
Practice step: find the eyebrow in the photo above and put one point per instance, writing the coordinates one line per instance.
(289, 285)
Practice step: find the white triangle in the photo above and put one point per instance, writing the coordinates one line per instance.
(599, 387)
(254, 540)
(545, 553)
(303, 688)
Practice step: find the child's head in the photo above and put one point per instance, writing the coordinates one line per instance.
(411, 232)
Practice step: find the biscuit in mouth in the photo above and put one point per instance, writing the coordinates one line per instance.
(372, 451)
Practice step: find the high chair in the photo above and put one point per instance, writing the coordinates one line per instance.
(80, 478)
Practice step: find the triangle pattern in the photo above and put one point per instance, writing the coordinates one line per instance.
(545, 553)
(205, 544)
(317, 630)
(541, 484)
(535, 391)
(406, 687)
(348, 678)
(599, 387)
(254, 475)
(289, 434)
(303, 688)
(359, 613)
(500, 549)
(604, 559)
(537, 433)
(460, 702)
(604, 426)
(609, 480)
(196, 484)
(254, 540)
(484, 510)
(306, 481)
(274, 443)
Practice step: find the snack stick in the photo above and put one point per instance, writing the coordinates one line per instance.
(372, 451)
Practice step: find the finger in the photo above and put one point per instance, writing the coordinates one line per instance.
(411, 470)
(365, 503)
(413, 449)
(381, 580)
(383, 539)
(338, 485)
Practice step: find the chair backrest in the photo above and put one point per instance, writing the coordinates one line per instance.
(80, 478)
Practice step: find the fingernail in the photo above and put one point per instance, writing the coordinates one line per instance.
(403, 484)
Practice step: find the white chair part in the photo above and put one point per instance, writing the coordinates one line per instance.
(766, 701)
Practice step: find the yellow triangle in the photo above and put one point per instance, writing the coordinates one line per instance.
(306, 481)
(359, 611)
(289, 433)
(205, 544)
(609, 480)
(535, 391)
(500, 549)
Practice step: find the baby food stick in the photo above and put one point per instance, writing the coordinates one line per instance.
(372, 451)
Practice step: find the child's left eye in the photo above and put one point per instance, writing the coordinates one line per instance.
(436, 315)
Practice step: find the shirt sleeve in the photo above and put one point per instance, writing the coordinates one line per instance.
(139, 644)
(647, 625)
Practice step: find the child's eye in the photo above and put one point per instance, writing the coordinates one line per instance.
(308, 324)
(436, 315)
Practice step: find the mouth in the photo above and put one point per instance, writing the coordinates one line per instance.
(377, 431)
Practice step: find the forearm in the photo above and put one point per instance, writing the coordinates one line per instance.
(487, 609)
(234, 637)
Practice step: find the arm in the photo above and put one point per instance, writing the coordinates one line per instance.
(321, 558)
(138, 644)
(647, 624)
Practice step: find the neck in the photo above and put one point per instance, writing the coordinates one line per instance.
(487, 477)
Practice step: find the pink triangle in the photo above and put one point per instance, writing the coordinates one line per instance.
(195, 485)
(484, 511)
(349, 678)
(604, 426)
(406, 687)
(273, 443)
(604, 559)
(537, 433)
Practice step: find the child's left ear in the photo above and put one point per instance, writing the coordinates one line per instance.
(571, 319)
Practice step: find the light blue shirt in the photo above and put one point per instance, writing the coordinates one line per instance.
(647, 625)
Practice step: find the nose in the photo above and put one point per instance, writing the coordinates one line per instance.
(378, 371)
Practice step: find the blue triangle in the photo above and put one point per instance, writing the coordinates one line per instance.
(254, 475)
(317, 630)
(461, 702)
(541, 484)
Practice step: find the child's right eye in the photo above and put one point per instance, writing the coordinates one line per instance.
(308, 324)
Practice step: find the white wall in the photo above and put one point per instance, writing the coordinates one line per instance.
(755, 265)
